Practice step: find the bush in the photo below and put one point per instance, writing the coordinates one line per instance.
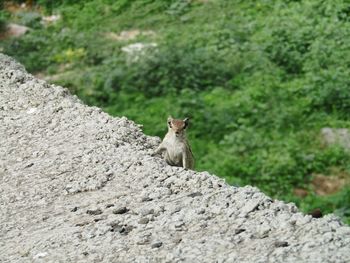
(3, 19)
(170, 70)
(29, 19)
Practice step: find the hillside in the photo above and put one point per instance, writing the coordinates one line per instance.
(78, 185)
(260, 81)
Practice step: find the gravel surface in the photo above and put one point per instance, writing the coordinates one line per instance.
(78, 185)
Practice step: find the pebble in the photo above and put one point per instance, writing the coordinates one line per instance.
(144, 240)
(281, 244)
(195, 194)
(83, 223)
(40, 255)
(157, 244)
(147, 211)
(94, 211)
(121, 210)
(143, 220)
(177, 240)
(239, 230)
(201, 211)
(146, 199)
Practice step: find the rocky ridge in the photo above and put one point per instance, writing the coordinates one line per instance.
(78, 185)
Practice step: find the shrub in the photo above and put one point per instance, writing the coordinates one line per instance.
(3, 19)
(172, 69)
(29, 19)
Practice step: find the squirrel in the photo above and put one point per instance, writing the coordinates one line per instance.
(175, 145)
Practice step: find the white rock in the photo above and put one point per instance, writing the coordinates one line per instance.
(40, 255)
(15, 30)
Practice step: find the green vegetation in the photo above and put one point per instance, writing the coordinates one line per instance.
(3, 18)
(259, 79)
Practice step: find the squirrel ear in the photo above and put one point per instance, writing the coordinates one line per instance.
(186, 121)
(169, 121)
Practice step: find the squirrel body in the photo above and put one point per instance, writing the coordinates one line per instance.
(175, 146)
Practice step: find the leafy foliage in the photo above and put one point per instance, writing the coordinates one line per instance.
(3, 18)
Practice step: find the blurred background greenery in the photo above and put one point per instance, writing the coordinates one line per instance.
(259, 79)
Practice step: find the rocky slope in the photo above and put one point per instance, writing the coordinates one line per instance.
(78, 185)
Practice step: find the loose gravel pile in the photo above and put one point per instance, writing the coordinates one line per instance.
(78, 185)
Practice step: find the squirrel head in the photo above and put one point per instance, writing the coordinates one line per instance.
(178, 126)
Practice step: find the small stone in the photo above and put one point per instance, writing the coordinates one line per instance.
(157, 244)
(109, 205)
(147, 211)
(115, 228)
(144, 240)
(249, 207)
(40, 255)
(201, 211)
(29, 165)
(316, 213)
(16, 30)
(179, 225)
(195, 194)
(74, 209)
(146, 199)
(31, 110)
(94, 211)
(121, 210)
(82, 223)
(281, 244)
(24, 253)
(98, 219)
(239, 230)
(113, 223)
(176, 209)
(204, 225)
(292, 222)
(144, 221)
(124, 230)
(177, 240)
